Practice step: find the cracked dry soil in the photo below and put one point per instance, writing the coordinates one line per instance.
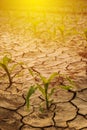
(69, 111)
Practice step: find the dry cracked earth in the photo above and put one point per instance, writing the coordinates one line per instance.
(69, 110)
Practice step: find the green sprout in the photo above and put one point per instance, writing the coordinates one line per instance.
(44, 89)
(29, 94)
(4, 64)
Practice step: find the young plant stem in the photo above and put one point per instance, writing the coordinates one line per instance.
(8, 74)
(46, 96)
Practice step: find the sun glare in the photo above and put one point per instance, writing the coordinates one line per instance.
(41, 5)
(35, 4)
(27, 4)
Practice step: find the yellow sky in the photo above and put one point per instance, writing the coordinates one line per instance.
(26, 4)
(29, 3)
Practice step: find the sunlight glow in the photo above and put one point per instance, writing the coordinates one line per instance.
(30, 4)
(37, 4)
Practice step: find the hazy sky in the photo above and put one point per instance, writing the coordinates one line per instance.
(24, 4)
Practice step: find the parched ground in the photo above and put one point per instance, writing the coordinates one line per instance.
(69, 111)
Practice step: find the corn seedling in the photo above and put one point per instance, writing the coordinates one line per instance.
(4, 64)
(42, 88)
(29, 94)
(46, 93)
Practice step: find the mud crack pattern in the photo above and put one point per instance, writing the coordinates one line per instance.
(69, 111)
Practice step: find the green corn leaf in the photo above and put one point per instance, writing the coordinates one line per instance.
(52, 76)
(3, 66)
(44, 79)
(6, 60)
(20, 63)
(66, 87)
(13, 67)
(42, 90)
(70, 81)
(7, 71)
(29, 94)
(52, 91)
(31, 72)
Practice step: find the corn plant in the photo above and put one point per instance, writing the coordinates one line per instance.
(44, 88)
(29, 94)
(4, 65)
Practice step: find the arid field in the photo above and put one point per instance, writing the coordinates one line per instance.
(43, 66)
